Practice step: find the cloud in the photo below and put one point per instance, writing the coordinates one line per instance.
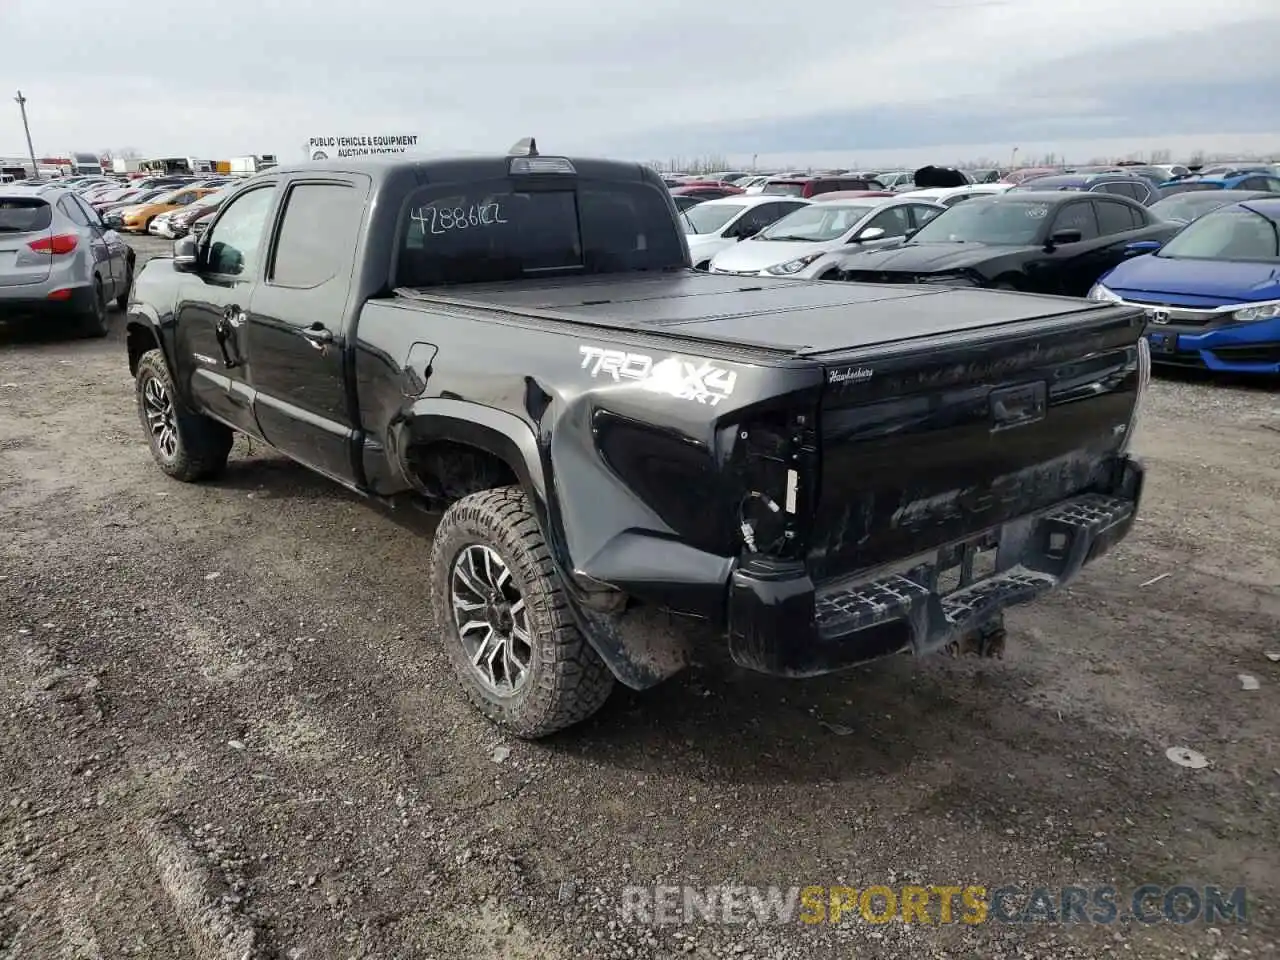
(646, 80)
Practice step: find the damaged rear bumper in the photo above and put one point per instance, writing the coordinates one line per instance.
(781, 623)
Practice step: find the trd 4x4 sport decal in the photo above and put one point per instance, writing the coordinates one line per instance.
(685, 378)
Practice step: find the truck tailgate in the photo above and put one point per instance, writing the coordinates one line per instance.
(938, 439)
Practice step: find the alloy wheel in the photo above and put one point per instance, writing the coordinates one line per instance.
(157, 406)
(492, 619)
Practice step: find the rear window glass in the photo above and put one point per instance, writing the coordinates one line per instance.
(784, 189)
(501, 230)
(24, 214)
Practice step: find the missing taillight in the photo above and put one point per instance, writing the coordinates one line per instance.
(773, 463)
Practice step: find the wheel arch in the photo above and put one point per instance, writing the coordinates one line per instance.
(140, 336)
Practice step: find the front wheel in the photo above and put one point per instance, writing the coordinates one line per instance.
(502, 613)
(185, 445)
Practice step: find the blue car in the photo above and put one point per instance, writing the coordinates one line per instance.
(1212, 293)
(1254, 179)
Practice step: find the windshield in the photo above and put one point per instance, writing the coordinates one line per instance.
(495, 230)
(1188, 206)
(24, 215)
(817, 224)
(1233, 233)
(710, 219)
(999, 221)
(210, 199)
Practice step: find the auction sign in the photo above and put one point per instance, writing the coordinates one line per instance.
(364, 145)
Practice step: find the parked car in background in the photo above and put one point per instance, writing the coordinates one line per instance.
(1212, 294)
(985, 174)
(896, 179)
(1056, 242)
(812, 186)
(718, 224)
(684, 202)
(1023, 174)
(1185, 207)
(1172, 171)
(58, 260)
(137, 218)
(707, 191)
(201, 223)
(1226, 180)
(950, 196)
(1155, 175)
(852, 195)
(1118, 184)
(748, 183)
(159, 226)
(794, 244)
(180, 221)
(1224, 168)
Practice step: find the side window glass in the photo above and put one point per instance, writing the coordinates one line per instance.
(318, 234)
(69, 210)
(1077, 216)
(92, 216)
(1272, 184)
(235, 241)
(922, 215)
(1113, 217)
(894, 222)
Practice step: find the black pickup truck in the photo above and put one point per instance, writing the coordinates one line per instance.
(632, 456)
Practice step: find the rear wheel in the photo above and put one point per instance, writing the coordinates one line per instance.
(94, 322)
(501, 611)
(185, 445)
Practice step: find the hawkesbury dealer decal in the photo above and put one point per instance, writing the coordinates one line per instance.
(685, 378)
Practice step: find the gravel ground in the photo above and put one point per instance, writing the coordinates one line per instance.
(229, 731)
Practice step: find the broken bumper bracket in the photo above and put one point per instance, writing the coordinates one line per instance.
(780, 623)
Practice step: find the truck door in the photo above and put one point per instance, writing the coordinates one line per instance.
(300, 324)
(213, 304)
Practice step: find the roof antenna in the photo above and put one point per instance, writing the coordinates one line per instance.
(528, 147)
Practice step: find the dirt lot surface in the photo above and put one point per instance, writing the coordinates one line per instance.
(229, 731)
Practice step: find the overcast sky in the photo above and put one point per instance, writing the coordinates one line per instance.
(651, 79)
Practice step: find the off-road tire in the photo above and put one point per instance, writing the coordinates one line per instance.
(122, 301)
(203, 444)
(95, 322)
(568, 682)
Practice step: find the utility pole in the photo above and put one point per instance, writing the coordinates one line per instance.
(31, 151)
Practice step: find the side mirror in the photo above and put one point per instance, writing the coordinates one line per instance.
(1060, 237)
(871, 233)
(185, 254)
(1139, 247)
(746, 233)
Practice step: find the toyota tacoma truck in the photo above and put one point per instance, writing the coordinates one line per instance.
(632, 457)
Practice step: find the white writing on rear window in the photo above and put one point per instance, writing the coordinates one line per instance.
(443, 219)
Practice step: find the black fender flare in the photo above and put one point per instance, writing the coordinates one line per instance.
(142, 317)
(508, 437)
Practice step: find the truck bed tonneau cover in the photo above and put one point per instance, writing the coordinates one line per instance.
(794, 317)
